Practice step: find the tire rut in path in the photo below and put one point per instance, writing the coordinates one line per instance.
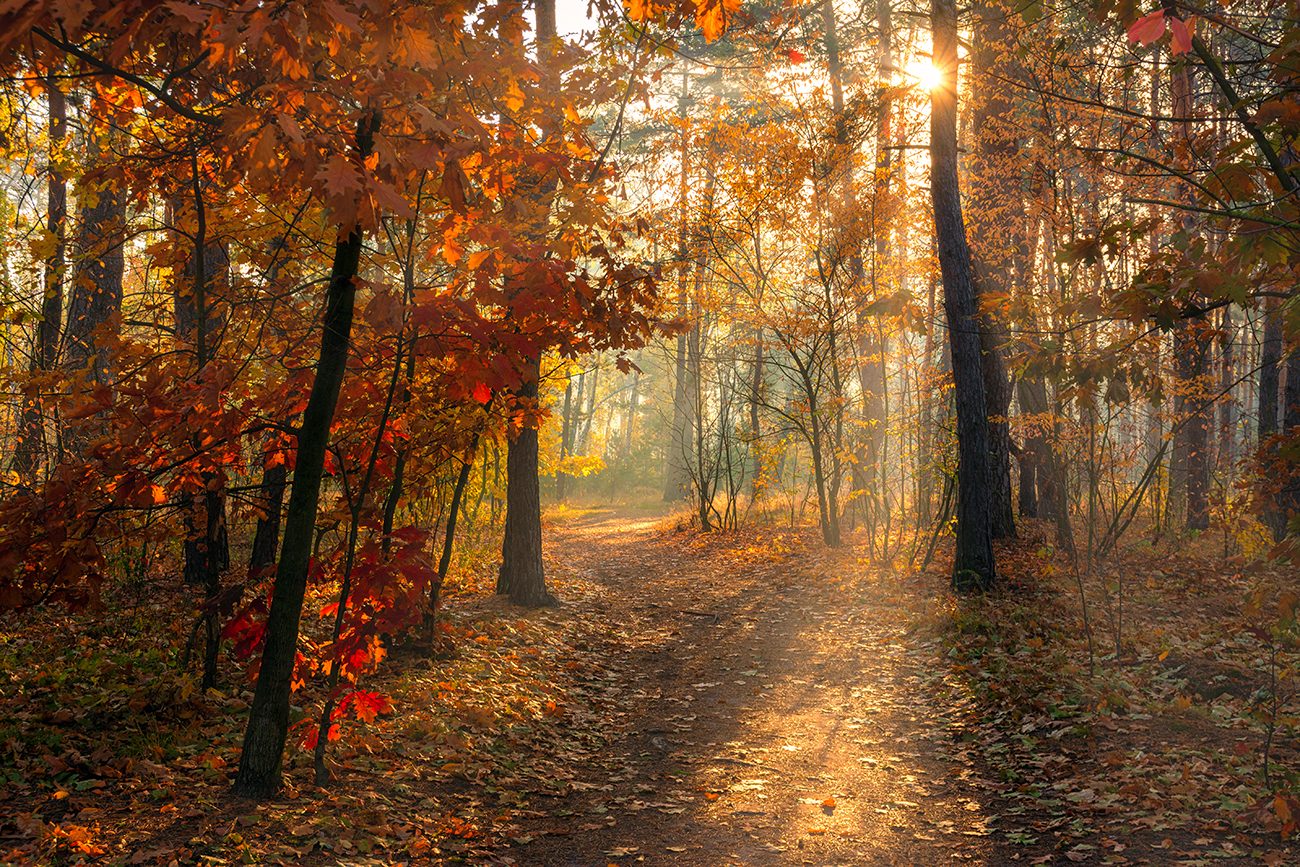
(782, 719)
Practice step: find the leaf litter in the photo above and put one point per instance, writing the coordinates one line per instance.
(819, 706)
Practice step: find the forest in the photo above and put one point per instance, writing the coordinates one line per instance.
(573, 432)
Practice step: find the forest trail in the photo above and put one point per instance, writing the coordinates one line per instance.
(778, 715)
(739, 698)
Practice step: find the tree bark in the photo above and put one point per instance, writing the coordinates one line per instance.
(1193, 364)
(30, 451)
(973, 566)
(266, 539)
(268, 720)
(997, 212)
(522, 575)
(566, 431)
(676, 473)
(1227, 451)
(96, 281)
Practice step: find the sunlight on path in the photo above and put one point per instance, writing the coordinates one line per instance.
(779, 717)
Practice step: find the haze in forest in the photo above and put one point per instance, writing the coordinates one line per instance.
(327, 325)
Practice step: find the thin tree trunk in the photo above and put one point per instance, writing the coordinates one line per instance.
(523, 576)
(676, 474)
(1228, 409)
(566, 431)
(268, 720)
(266, 538)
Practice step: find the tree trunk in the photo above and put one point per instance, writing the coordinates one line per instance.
(1228, 409)
(30, 450)
(676, 474)
(522, 576)
(1289, 497)
(973, 568)
(96, 282)
(997, 214)
(1191, 363)
(268, 719)
(266, 539)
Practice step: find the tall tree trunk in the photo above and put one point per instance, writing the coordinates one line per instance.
(207, 544)
(1194, 355)
(31, 446)
(266, 538)
(1289, 497)
(676, 473)
(870, 357)
(268, 718)
(566, 433)
(1227, 384)
(1267, 424)
(522, 575)
(973, 567)
(997, 212)
(95, 306)
(1192, 359)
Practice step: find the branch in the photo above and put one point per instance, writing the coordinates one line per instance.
(160, 93)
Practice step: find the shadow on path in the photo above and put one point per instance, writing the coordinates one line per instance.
(778, 717)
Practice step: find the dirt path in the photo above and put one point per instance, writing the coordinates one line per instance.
(774, 715)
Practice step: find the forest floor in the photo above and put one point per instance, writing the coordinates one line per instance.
(700, 699)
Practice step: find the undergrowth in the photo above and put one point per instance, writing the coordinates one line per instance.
(1192, 729)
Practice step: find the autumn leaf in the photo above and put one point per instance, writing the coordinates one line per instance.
(1180, 35)
(388, 198)
(339, 177)
(1148, 28)
(368, 705)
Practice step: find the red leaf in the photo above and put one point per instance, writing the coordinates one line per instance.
(794, 56)
(482, 393)
(1149, 29)
(1180, 36)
